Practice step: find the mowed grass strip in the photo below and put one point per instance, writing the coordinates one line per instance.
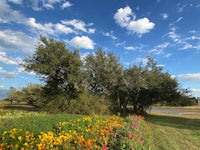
(176, 132)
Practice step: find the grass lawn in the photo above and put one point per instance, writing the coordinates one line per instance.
(176, 132)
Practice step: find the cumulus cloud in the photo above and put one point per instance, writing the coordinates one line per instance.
(82, 42)
(9, 15)
(125, 18)
(63, 29)
(16, 41)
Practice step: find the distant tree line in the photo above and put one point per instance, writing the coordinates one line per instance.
(97, 84)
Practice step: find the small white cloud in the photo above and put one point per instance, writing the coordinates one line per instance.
(189, 77)
(129, 48)
(125, 18)
(109, 34)
(164, 16)
(49, 4)
(179, 19)
(78, 25)
(66, 5)
(140, 26)
(180, 7)
(82, 42)
(63, 29)
(7, 74)
(19, 2)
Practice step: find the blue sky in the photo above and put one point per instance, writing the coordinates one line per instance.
(167, 30)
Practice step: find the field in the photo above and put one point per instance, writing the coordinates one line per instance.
(22, 127)
(177, 132)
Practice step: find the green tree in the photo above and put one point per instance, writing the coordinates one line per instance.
(104, 75)
(147, 85)
(12, 96)
(58, 67)
(32, 94)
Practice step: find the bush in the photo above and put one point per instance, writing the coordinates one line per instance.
(89, 104)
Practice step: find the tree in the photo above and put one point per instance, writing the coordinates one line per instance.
(147, 85)
(104, 74)
(57, 66)
(32, 94)
(12, 96)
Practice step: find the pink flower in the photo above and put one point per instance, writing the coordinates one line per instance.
(104, 147)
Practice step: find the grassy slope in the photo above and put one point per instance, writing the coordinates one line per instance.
(176, 132)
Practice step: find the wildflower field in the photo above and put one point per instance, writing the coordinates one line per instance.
(26, 131)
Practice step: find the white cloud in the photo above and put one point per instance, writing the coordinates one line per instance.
(158, 49)
(109, 34)
(9, 15)
(185, 43)
(19, 2)
(180, 7)
(189, 77)
(35, 5)
(9, 60)
(78, 25)
(164, 16)
(49, 4)
(82, 42)
(63, 29)
(179, 19)
(7, 74)
(46, 28)
(141, 26)
(16, 41)
(195, 92)
(125, 18)
(66, 5)
(129, 48)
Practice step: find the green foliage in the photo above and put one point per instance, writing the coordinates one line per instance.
(89, 104)
(104, 75)
(182, 101)
(65, 78)
(146, 85)
(12, 96)
(56, 65)
(56, 103)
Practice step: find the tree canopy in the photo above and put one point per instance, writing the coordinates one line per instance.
(66, 76)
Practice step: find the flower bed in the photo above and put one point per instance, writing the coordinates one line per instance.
(101, 133)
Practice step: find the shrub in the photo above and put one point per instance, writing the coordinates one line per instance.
(89, 104)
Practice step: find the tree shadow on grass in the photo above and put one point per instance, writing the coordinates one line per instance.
(173, 121)
(23, 107)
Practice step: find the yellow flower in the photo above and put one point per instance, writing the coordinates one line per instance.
(19, 138)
